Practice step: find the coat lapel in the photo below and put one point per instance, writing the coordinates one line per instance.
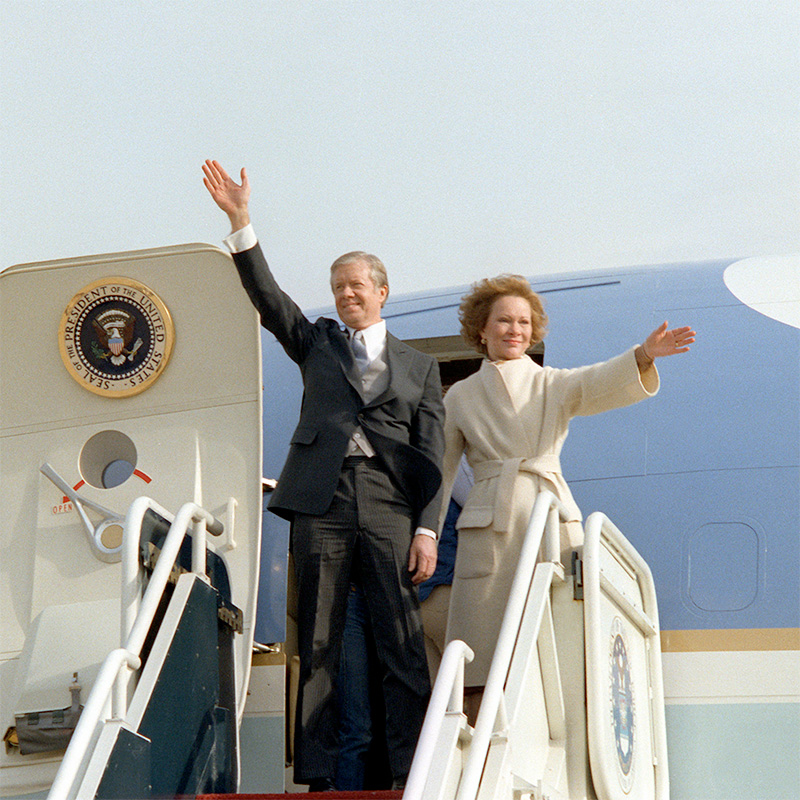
(509, 409)
(344, 353)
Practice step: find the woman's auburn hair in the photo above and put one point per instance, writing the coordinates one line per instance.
(476, 306)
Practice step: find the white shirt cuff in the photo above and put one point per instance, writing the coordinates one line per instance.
(425, 532)
(240, 240)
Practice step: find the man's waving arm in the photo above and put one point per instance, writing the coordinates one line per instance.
(279, 313)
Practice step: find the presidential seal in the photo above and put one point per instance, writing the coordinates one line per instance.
(622, 705)
(115, 337)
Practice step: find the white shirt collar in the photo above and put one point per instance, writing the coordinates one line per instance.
(374, 338)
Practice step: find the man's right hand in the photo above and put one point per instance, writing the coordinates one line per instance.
(230, 196)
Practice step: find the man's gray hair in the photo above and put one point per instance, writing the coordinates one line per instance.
(377, 271)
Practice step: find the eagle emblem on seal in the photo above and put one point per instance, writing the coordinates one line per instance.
(115, 329)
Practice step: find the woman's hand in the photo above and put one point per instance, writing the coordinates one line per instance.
(231, 197)
(662, 342)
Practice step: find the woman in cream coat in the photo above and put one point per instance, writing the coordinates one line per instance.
(511, 419)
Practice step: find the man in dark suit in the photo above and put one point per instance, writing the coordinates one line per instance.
(361, 485)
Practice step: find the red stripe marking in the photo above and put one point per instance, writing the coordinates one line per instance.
(137, 472)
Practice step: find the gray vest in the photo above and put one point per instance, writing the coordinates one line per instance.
(374, 381)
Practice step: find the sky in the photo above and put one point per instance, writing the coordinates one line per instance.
(454, 139)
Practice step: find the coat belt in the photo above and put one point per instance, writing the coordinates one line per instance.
(507, 470)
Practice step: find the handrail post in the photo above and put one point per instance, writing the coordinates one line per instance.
(131, 537)
(552, 539)
(63, 787)
(447, 697)
(199, 546)
(456, 702)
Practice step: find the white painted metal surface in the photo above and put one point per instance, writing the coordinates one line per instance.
(192, 434)
(625, 689)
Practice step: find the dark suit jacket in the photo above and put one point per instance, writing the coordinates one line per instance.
(404, 424)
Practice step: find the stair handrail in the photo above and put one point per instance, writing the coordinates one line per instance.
(112, 680)
(447, 697)
(131, 572)
(65, 784)
(200, 519)
(548, 511)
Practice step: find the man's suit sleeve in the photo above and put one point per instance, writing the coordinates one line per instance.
(429, 438)
(280, 315)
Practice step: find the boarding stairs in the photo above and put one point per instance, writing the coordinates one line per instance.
(161, 717)
(573, 707)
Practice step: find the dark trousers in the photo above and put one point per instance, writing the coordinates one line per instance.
(365, 535)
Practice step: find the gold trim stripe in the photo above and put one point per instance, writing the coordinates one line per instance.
(699, 641)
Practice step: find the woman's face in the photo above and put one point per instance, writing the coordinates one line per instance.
(508, 328)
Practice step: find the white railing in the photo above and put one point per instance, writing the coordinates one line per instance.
(111, 686)
(545, 519)
(447, 698)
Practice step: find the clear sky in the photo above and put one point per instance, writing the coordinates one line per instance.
(454, 139)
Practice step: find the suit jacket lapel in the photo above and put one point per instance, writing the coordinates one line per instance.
(344, 353)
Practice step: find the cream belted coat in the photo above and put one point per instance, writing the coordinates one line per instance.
(511, 419)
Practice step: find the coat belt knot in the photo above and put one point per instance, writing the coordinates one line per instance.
(507, 470)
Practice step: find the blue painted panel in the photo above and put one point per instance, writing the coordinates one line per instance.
(439, 321)
(271, 610)
(283, 390)
(743, 550)
(661, 515)
(719, 445)
(734, 400)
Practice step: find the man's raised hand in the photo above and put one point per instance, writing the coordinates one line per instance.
(231, 197)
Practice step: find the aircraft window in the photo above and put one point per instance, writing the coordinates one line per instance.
(108, 459)
(457, 360)
(723, 566)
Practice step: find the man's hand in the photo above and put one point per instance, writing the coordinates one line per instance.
(230, 196)
(422, 558)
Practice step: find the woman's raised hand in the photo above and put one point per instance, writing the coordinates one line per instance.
(662, 342)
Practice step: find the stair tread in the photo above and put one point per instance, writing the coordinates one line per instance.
(387, 794)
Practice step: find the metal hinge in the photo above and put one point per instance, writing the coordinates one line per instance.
(577, 571)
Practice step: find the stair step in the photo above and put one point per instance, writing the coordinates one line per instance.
(363, 795)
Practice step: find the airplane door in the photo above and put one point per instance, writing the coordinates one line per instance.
(121, 375)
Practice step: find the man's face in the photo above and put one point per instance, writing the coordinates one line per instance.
(358, 300)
